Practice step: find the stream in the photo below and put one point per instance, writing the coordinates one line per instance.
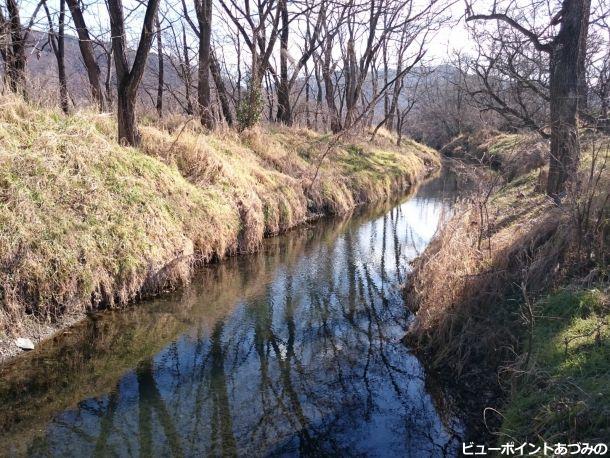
(295, 350)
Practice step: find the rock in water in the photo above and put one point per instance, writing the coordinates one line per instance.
(24, 344)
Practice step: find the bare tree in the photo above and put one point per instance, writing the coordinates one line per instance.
(85, 44)
(564, 50)
(161, 72)
(391, 104)
(331, 27)
(129, 77)
(257, 21)
(13, 47)
(57, 41)
(180, 60)
(444, 108)
(598, 73)
(221, 89)
(213, 67)
(511, 79)
(286, 82)
(203, 9)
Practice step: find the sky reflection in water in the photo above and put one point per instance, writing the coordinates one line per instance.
(295, 350)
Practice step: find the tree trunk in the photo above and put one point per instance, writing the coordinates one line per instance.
(61, 63)
(269, 93)
(221, 90)
(128, 79)
(107, 81)
(351, 84)
(284, 110)
(255, 83)
(374, 95)
(57, 43)
(307, 98)
(399, 123)
(238, 83)
(187, 75)
(392, 110)
(386, 96)
(565, 147)
(604, 105)
(583, 96)
(86, 50)
(16, 61)
(204, 16)
(126, 110)
(335, 122)
(160, 79)
(318, 93)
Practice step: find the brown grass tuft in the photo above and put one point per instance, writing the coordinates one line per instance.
(459, 285)
(512, 155)
(494, 246)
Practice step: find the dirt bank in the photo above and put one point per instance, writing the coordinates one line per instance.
(88, 224)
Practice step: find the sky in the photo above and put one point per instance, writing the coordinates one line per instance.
(451, 36)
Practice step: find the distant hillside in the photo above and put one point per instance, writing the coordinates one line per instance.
(42, 70)
(43, 81)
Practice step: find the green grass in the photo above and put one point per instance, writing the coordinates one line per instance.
(565, 397)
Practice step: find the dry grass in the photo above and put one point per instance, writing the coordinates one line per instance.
(492, 246)
(270, 173)
(463, 322)
(474, 285)
(86, 223)
(511, 154)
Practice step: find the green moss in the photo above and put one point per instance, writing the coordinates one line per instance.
(504, 144)
(354, 160)
(566, 397)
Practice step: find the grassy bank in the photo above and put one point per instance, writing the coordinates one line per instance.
(95, 354)
(88, 224)
(504, 248)
(564, 396)
(512, 155)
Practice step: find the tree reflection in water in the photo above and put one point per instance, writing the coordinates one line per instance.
(303, 356)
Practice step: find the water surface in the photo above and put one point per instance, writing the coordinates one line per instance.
(295, 350)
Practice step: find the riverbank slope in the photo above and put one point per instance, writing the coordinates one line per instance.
(87, 224)
(519, 328)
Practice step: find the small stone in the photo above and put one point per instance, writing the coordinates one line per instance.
(24, 344)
